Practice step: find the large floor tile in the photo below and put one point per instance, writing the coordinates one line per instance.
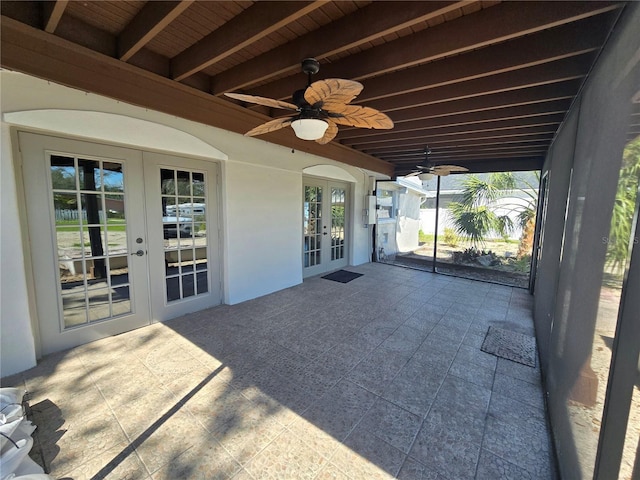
(379, 378)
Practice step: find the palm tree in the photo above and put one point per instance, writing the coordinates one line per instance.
(624, 207)
(480, 211)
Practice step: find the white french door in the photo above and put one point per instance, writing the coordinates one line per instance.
(325, 220)
(183, 234)
(118, 237)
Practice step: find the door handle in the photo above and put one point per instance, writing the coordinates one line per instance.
(138, 253)
(324, 233)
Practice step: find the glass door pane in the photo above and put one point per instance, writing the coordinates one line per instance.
(184, 226)
(312, 225)
(91, 238)
(338, 196)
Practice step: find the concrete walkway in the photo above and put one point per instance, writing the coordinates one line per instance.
(381, 377)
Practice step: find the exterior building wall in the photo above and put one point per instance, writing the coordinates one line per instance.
(16, 337)
(261, 203)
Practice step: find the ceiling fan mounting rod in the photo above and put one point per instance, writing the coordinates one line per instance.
(310, 66)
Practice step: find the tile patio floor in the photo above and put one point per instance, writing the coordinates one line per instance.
(376, 378)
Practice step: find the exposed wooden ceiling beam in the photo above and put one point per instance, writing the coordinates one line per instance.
(483, 165)
(459, 131)
(413, 155)
(465, 161)
(509, 134)
(536, 49)
(521, 113)
(30, 50)
(544, 74)
(52, 13)
(482, 29)
(482, 142)
(149, 21)
(254, 23)
(365, 25)
(494, 101)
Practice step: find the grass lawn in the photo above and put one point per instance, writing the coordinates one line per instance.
(113, 225)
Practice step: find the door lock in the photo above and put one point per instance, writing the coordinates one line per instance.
(138, 253)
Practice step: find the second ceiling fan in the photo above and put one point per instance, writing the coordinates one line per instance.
(320, 107)
(427, 168)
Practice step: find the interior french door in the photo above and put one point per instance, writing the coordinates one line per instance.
(116, 242)
(325, 235)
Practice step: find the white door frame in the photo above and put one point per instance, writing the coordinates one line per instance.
(138, 167)
(162, 310)
(326, 264)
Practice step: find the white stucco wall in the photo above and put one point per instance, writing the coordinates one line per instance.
(263, 225)
(261, 205)
(17, 347)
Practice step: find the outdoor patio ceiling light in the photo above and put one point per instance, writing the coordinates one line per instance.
(309, 128)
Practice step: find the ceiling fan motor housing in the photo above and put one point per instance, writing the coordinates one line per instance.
(298, 98)
(310, 66)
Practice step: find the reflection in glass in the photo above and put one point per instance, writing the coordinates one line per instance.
(88, 197)
(98, 304)
(114, 205)
(337, 223)
(312, 221)
(89, 175)
(173, 289)
(120, 301)
(74, 309)
(92, 209)
(113, 177)
(116, 238)
(167, 182)
(63, 173)
(66, 209)
(184, 231)
(119, 270)
(202, 282)
(199, 189)
(183, 184)
(188, 287)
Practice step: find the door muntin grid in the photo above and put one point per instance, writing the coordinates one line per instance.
(338, 206)
(312, 224)
(184, 230)
(88, 196)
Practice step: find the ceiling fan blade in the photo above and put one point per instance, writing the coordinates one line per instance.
(330, 134)
(267, 102)
(413, 174)
(366, 117)
(332, 91)
(271, 126)
(451, 168)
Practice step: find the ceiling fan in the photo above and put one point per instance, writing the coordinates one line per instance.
(320, 107)
(426, 168)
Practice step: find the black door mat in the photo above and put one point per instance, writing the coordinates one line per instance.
(342, 276)
(511, 345)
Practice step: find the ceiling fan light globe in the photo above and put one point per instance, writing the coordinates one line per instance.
(425, 176)
(309, 128)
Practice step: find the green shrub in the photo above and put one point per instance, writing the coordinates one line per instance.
(450, 237)
(424, 237)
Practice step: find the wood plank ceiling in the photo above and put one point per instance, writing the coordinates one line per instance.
(485, 84)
